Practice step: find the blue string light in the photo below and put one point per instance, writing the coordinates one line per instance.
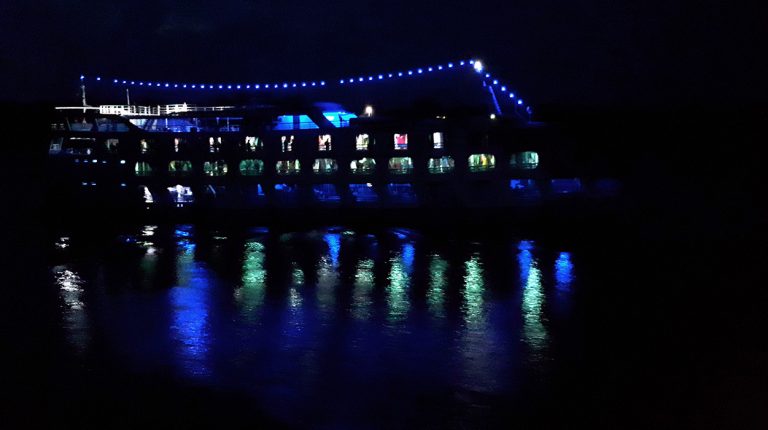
(477, 65)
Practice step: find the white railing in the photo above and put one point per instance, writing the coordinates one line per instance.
(159, 110)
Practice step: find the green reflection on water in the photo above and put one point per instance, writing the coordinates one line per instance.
(397, 289)
(438, 268)
(297, 275)
(361, 295)
(474, 285)
(327, 280)
(534, 332)
(251, 293)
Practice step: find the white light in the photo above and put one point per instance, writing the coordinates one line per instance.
(493, 116)
(122, 161)
(511, 95)
(98, 78)
(520, 101)
(450, 65)
(495, 82)
(478, 66)
(369, 184)
(503, 88)
(322, 83)
(369, 110)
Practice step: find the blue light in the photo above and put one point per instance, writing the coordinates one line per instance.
(429, 69)
(370, 78)
(193, 86)
(313, 84)
(248, 87)
(256, 86)
(115, 81)
(420, 71)
(341, 81)
(495, 82)
(439, 67)
(487, 75)
(520, 101)
(124, 82)
(322, 83)
(141, 83)
(360, 79)
(238, 87)
(133, 82)
(293, 85)
(82, 77)
(503, 88)
(175, 85)
(381, 77)
(285, 85)
(450, 65)
(511, 95)
(351, 81)
(399, 73)
(266, 85)
(410, 72)
(210, 87)
(303, 84)
(221, 86)
(157, 84)
(166, 85)
(389, 75)
(461, 63)
(229, 87)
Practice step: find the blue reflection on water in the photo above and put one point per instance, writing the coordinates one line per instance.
(333, 240)
(189, 300)
(535, 333)
(563, 282)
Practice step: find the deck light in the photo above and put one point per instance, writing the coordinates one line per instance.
(478, 66)
(493, 116)
(369, 110)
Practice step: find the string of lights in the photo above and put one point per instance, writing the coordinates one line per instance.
(476, 65)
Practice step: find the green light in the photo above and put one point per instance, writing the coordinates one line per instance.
(534, 332)
(474, 285)
(437, 283)
(297, 275)
(397, 295)
(251, 293)
(361, 295)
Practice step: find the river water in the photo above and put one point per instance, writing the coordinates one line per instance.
(379, 328)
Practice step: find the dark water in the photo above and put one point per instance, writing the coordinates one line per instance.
(329, 327)
(185, 325)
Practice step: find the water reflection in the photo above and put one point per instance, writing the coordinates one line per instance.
(535, 333)
(189, 300)
(474, 285)
(363, 287)
(563, 281)
(399, 280)
(438, 282)
(327, 273)
(76, 321)
(251, 291)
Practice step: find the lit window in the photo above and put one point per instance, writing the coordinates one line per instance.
(215, 168)
(363, 166)
(527, 160)
(214, 145)
(286, 143)
(179, 144)
(362, 141)
(180, 167)
(324, 166)
(481, 162)
(440, 165)
(400, 165)
(143, 168)
(438, 140)
(288, 167)
(324, 142)
(251, 167)
(181, 195)
(144, 146)
(363, 193)
(146, 195)
(401, 141)
(56, 144)
(252, 143)
(326, 193)
(111, 145)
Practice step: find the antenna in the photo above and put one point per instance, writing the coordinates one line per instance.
(82, 89)
(127, 97)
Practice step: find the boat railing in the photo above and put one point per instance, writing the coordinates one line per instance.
(159, 110)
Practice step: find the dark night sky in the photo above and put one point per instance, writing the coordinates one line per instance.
(556, 52)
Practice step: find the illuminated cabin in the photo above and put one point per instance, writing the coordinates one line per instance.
(270, 147)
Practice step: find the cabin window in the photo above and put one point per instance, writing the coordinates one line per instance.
(286, 193)
(401, 142)
(146, 146)
(527, 160)
(179, 144)
(326, 193)
(143, 168)
(81, 125)
(362, 142)
(111, 145)
(522, 184)
(400, 165)
(288, 167)
(325, 166)
(215, 168)
(363, 166)
(180, 167)
(438, 140)
(251, 167)
(363, 193)
(214, 145)
(440, 165)
(481, 162)
(80, 146)
(146, 195)
(253, 143)
(56, 144)
(181, 195)
(401, 193)
(286, 143)
(565, 186)
(324, 142)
